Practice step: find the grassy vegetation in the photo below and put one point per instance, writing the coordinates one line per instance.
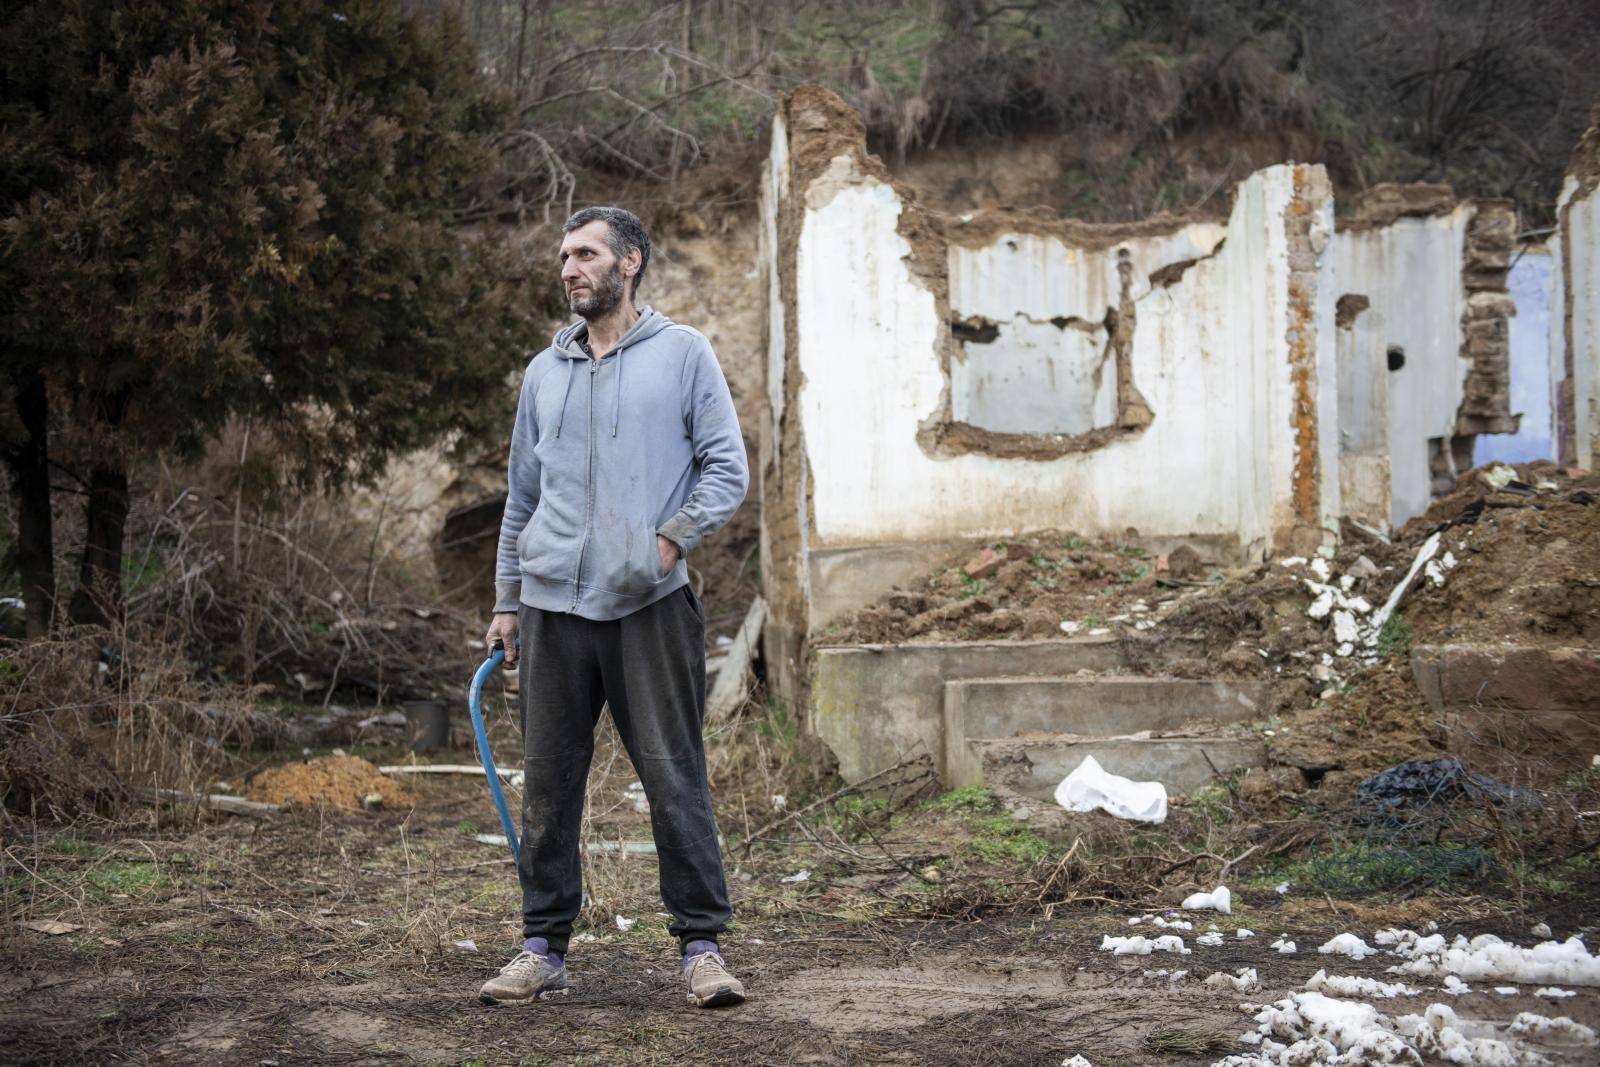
(1363, 868)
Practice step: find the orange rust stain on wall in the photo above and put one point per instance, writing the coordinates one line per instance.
(1302, 350)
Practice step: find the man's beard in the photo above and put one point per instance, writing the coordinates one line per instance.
(602, 299)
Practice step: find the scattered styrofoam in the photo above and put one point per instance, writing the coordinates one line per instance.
(1219, 899)
(1243, 980)
(1348, 945)
(1455, 986)
(1284, 946)
(1558, 1031)
(1143, 946)
(1438, 1032)
(1312, 1029)
(1242, 933)
(1552, 993)
(1350, 986)
(1209, 940)
(1488, 958)
(1172, 924)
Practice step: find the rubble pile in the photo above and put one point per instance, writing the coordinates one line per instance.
(1511, 556)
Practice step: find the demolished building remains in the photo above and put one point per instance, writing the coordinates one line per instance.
(1239, 385)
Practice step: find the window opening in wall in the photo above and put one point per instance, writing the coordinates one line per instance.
(1038, 387)
(1397, 357)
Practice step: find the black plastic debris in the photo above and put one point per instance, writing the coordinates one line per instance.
(1419, 783)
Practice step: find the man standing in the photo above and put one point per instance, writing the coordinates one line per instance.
(626, 454)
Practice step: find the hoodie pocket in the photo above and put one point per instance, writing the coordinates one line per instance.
(630, 564)
(543, 552)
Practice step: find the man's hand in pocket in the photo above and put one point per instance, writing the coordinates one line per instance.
(669, 554)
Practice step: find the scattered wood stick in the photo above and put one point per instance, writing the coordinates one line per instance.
(215, 801)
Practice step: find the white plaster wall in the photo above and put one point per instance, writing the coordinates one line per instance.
(1042, 277)
(1581, 238)
(1555, 299)
(1048, 371)
(1529, 285)
(1363, 420)
(1411, 272)
(1209, 356)
(774, 191)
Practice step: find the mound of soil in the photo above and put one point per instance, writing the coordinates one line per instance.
(1529, 561)
(1519, 561)
(336, 781)
(1524, 565)
(1047, 585)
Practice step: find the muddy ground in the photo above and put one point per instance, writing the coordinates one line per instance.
(928, 930)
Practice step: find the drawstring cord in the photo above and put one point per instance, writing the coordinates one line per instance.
(572, 368)
(616, 411)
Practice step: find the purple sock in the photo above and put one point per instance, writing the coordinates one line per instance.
(695, 948)
(541, 947)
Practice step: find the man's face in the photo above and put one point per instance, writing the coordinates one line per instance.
(591, 273)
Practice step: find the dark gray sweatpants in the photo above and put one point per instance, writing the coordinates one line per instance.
(650, 667)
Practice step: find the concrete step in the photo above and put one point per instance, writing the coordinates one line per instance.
(1035, 766)
(874, 705)
(1067, 711)
(1101, 706)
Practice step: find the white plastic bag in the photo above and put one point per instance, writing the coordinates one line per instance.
(1090, 787)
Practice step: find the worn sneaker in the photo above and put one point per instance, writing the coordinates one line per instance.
(710, 984)
(530, 976)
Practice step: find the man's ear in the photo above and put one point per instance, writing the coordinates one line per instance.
(631, 261)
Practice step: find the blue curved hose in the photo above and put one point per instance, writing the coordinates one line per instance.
(481, 737)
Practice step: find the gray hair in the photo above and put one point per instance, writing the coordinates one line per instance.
(624, 233)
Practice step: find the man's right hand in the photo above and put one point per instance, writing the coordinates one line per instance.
(503, 628)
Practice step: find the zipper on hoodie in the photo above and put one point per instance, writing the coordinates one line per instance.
(588, 477)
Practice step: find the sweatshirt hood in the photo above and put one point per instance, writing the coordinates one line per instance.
(568, 341)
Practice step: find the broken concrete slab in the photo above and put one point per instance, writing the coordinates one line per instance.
(982, 710)
(1102, 706)
(874, 705)
(1034, 767)
(1514, 708)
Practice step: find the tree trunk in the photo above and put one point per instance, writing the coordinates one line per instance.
(98, 599)
(99, 595)
(30, 473)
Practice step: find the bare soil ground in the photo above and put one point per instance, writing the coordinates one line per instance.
(927, 930)
(886, 925)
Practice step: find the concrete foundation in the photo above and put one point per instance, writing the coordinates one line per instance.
(1182, 764)
(1527, 713)
(875, 705)
(1054, 719)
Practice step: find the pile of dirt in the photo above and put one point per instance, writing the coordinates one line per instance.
(1046, 585)
(1518, 560)
(336, 781)
(1529, 559)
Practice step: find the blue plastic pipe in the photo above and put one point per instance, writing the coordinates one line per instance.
(481, 739)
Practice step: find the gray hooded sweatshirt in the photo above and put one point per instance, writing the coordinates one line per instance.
(607, 454)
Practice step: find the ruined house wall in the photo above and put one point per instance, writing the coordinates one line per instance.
(1218, 437)
(1576, 280)
(1408, 271)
